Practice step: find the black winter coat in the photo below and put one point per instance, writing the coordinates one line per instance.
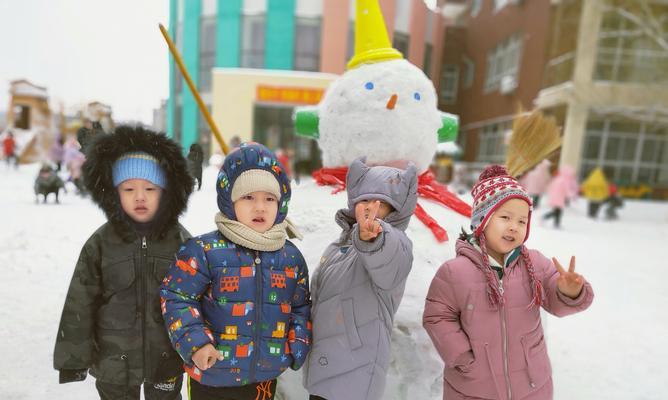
(111, 322)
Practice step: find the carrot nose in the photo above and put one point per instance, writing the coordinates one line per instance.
(392, 102)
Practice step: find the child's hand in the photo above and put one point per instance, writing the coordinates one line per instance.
(205, 357)
(365, 213)
(569, 282)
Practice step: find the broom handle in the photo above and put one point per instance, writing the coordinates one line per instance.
(193, 90)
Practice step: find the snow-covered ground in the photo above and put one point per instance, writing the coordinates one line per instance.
(614, 350)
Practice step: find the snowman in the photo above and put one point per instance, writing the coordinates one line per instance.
(384, 108)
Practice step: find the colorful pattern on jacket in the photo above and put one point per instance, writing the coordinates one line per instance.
(253, 306)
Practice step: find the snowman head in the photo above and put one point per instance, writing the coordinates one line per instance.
(385, 111)
(383, 107)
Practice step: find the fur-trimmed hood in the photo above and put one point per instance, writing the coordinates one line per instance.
(105, 149)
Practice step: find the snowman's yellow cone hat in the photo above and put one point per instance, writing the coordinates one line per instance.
(372, 44)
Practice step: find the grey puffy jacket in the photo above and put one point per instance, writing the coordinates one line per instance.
(357, 289)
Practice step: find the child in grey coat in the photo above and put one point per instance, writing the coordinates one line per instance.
(359, 284)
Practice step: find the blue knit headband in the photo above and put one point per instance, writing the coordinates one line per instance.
(138, 165)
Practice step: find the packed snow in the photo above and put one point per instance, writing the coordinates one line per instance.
(614, 350)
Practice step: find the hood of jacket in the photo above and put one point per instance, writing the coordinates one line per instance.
(394, 186)
(105, 149)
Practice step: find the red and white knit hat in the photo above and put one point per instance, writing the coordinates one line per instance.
(495, 187)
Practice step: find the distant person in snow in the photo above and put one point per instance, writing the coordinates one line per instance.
(195, 160)
(482, 311)
(9, 149)
(111, 325)
(47, 182)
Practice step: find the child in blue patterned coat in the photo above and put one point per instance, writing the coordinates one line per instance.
(236, 302)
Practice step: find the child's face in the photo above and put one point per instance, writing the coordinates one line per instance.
(507, 227)
(257, 210)
(363, 206)
(140, 199)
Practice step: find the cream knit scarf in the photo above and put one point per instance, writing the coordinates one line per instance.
(271, 240)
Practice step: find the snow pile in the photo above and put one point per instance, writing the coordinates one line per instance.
(612, 351)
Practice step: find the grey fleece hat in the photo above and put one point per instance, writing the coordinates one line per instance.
(392, 185)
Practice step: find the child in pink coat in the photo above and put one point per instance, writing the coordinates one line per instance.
(562, 189)
(482, 310)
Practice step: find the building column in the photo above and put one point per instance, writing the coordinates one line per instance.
(418, 30)
(583, 75)
(280, 35)
(334, 36)
(228, 33)
(191, 24)
(574, 133)
(171, 100)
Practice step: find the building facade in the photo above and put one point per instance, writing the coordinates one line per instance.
(227, 37)
(599, 66)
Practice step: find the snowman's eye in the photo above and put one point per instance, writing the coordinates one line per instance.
(416, 96)
(368, 86)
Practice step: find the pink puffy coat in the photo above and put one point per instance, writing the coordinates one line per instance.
(536, 180)
(494, 352)
(563, 187)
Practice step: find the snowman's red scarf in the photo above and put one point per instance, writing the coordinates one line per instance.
(428, 188)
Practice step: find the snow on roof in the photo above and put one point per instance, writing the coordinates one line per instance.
(23, 87)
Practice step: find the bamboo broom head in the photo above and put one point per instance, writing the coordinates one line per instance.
(534, 138)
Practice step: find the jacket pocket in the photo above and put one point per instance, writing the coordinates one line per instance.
(119, 308)
(348, 309)
(117, 276)
(535, 355)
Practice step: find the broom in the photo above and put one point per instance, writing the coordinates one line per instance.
(534, 138)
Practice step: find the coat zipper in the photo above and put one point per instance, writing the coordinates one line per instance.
(258, 315)
(144, 254)
(504, 334)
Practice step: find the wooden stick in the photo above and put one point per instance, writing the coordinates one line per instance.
(193, 90)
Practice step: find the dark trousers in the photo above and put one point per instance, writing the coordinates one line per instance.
(556, 214)
(168, 390)
(593, 208)
(314, 397)
(255, 391)
(535, 199)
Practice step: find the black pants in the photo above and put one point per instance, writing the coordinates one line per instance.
(314, 397)
(255, 391)
(556, 214)
(535, 199)
(168, 390)
(593, 208)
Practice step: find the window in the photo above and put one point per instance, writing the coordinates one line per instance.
(499, 4)
(492, 143)
(449, 78)
(22, 117)
(469, 72)
(428, 48)
(307, 44)
(631, 44)
(252, 41)
(207, 52)
(503, 60)
(629, 151)
(476, 5)
(400, 43)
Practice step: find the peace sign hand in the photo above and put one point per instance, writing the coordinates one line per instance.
(365, 214)
(569, 282)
